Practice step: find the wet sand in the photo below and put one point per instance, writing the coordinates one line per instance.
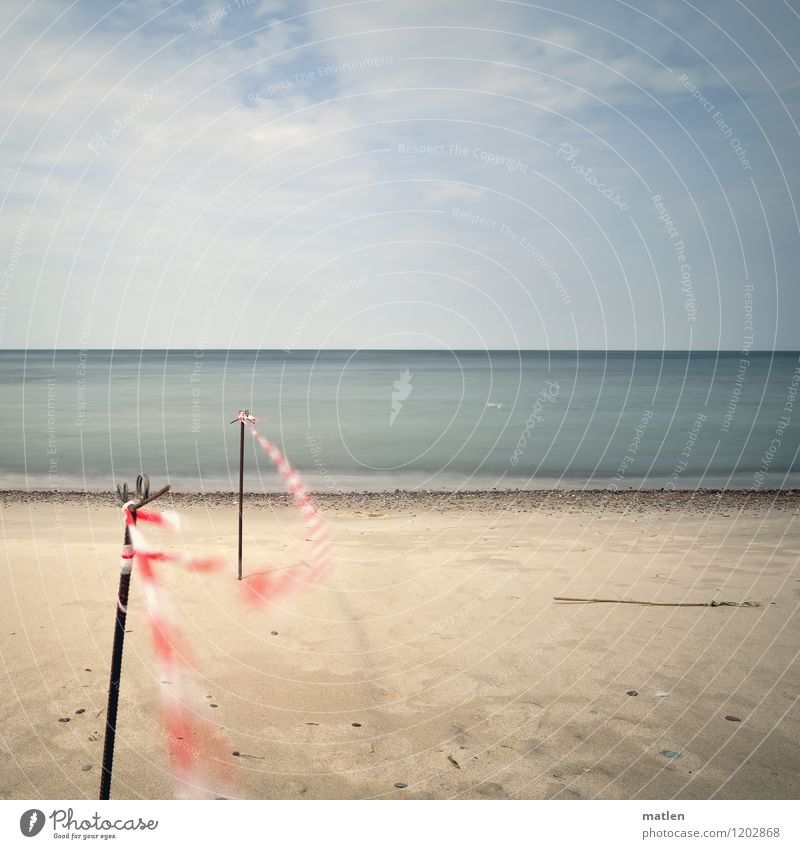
(433, 656)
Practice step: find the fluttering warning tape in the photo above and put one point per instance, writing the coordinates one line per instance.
(245, 418)
(200, 761)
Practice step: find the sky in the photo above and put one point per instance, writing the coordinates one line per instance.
(400, 174)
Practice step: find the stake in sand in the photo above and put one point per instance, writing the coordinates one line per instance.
(132, 505)
(242, 416)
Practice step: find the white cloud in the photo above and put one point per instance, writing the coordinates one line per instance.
(249, 162)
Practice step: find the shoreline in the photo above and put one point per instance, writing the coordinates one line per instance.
(508, 500)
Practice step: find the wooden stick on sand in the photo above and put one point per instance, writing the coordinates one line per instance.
(661, 603)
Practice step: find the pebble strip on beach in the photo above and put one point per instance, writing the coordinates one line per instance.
(480, 501)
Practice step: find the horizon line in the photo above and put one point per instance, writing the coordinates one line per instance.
(438, 350)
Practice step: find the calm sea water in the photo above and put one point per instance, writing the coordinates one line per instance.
(407, 419)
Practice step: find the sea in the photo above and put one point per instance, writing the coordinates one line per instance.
(409, 420)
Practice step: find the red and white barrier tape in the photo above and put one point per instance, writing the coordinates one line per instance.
(200, 760)
(245, 417)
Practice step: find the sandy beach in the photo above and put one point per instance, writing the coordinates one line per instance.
(433, 656)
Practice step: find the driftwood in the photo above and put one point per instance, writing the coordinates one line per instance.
(661, 603)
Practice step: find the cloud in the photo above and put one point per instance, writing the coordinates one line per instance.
(442, 193)
(246, 157)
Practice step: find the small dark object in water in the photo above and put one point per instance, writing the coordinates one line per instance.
(400, 786)
(632, 693)
(731, 718)
(63, 719)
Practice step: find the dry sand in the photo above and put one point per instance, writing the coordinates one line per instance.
(433, 656)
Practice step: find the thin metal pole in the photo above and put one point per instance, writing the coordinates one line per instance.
(241, 494)
(119, 640)
(116, 669)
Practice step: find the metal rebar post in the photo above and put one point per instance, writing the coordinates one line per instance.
(143, 487)
(241, 494)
